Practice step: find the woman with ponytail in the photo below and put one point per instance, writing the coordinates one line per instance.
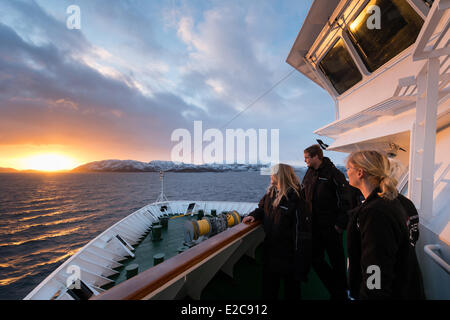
(287, 227)
(382, 263)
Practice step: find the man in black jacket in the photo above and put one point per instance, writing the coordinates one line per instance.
(323, 184)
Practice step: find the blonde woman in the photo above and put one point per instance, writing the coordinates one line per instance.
(287, 225)
(382, 262)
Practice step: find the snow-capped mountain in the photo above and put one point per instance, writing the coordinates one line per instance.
(157, 165)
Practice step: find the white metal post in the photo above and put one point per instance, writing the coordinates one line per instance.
(432, 99)
(417, 139)
(423, 139)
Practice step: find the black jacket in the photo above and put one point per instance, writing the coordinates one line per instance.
(377, 235)
(287, 227)
(413, 218)
(322, 190)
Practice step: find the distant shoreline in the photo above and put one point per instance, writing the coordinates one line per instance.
(84, 172)
(156, 166)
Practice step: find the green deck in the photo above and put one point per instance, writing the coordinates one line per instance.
(171, 239)
(246, 284)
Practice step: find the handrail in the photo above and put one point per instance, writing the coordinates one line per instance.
(429, 250)
(152, 279)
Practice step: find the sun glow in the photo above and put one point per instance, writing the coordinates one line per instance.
(49, 162)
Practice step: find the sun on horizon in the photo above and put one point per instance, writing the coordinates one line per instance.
(48, 162)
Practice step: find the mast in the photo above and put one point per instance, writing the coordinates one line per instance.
(162, 196)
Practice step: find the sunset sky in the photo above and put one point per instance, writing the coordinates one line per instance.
(138, 70)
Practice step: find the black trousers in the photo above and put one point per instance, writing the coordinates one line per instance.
(271, 286)
(327, 239)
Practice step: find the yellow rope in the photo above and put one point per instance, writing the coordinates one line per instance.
(233, 218)
(181, 215)
(204, 227)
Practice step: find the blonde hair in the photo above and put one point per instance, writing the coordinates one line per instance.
(378, 170)
(286, 178)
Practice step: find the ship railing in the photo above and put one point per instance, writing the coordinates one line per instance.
(189, 272)
(424, 48)
(430, 251)
(431, 90)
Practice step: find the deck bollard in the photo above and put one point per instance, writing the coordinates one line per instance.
(156, 232)
(158, 258)
(132, 270)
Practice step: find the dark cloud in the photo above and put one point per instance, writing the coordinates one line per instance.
(47, 97)
(34, 24)
(51, 94)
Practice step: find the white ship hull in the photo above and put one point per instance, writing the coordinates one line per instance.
(98, 259)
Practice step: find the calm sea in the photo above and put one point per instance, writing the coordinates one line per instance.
(46, 218)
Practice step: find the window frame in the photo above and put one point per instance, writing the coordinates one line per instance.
(346, 31)
(417, 5)
(324, 54)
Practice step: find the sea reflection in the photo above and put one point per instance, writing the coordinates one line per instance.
(59, 233)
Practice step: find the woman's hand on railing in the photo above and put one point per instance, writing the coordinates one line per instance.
(248, 219)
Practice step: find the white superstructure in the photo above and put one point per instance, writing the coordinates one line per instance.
(386, 65)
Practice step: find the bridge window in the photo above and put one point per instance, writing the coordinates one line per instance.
(339, 67)
(377, 42)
